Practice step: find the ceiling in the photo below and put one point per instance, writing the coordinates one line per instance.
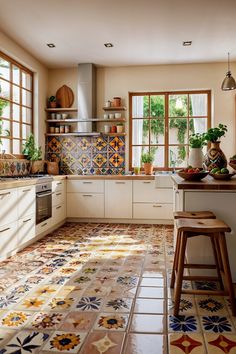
(144, 32)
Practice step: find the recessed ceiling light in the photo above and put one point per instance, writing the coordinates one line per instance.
(108, 45)
(51, 45)
(187, 43)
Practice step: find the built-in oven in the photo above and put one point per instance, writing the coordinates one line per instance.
(43, 201)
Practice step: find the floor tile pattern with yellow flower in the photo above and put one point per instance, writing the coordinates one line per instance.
(104, 289)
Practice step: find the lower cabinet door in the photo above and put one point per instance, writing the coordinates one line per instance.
(85, 205)
(8, 238)
(118, 203)
(152, 211)
(58, 214)
(26, 229)
(43, 226)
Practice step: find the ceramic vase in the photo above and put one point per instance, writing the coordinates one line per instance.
(148, 168)
(195, 157)
(214, 157)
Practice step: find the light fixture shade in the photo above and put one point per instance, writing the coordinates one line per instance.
(228, 83)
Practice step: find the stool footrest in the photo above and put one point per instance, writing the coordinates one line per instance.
(204, 292)
(200, 277)
(200, 266)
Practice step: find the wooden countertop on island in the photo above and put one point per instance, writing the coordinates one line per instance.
(208, 183)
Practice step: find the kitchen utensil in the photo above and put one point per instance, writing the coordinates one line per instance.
(111, 116)
(65, 96)
(197, 176)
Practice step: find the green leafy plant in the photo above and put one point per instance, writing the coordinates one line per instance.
(197, 140)
(149, 156)
(213, 134)
(52, 99)
(3, 131)
(30, 150)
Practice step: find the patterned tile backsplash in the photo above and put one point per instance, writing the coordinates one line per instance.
(88, 155)
(14, 167)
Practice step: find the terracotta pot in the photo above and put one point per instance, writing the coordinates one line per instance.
(52, 104)
(37, 166)
(148, 168)
(52, 168)
(116, 101)
(214, 157)
(195, 157)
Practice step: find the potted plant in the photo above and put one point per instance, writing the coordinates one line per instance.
(34, 154)
(196, 143)
(215, 156)
(147, 159)
(52, 102)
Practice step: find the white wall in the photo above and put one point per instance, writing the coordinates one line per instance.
(11, 48)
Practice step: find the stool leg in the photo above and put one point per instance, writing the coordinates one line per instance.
(227, 272)
(180, 273)
(176, 258)
(217, 261)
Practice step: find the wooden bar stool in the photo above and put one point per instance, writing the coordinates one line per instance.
(215, 229)
(186, 215)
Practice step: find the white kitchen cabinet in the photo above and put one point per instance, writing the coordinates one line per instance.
(118, 199)
(26, 229)
(8, 206)
(145, 191)
(43, 226)
(58, 214)
(153, 211)
(26, 201)
(58, 202)
(85, 186)
(8, 239)
(85, 205)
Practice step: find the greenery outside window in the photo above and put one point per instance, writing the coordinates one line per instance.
(163, 121)
(16, 104)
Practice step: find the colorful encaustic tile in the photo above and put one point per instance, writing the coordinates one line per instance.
(78, 321)
(59, 304)
(111, 322)
(8, 301)
(117, 144)
(89, 303)
(31, 303)
(65, 342)
(15, 319)
(26, 342)
(187, 306)
(220, 343)
(5, 336)
(46, 320)
(183, 324)
(209, 305)
(118, 305)
(217, 324)
(104, 343)
(186, 343)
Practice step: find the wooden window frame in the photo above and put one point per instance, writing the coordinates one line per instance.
(11, 121)
(166, 120)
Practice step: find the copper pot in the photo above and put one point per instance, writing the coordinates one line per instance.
(116, 102)
(52, 168)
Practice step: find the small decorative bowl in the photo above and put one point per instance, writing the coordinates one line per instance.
(222, 177)
(197, 176)
(233, 164)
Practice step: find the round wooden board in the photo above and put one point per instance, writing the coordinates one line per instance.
(65, 97)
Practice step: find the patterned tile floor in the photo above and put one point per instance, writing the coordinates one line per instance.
(103, 288)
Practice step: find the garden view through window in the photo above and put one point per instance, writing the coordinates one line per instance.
(163, 122)
(16, 108)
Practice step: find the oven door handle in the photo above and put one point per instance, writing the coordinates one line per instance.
(43, 195)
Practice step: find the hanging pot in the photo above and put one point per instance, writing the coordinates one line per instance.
(214, 157)
(195, 157)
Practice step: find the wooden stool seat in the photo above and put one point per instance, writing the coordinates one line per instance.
(214, 229)
(194, 215)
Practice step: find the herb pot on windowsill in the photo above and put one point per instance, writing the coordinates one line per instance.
(148, 168)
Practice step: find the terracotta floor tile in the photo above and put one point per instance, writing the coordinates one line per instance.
(150, 292)
(138, 343)
(78, 321)
(220, 343)
(146, 323)
(155, 306)
(183, 343)
(104, 342)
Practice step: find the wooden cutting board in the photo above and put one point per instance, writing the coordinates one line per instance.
(65, 97)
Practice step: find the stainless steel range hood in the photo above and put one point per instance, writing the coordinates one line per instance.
(86, 97)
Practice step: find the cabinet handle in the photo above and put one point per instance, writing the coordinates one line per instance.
(157, 206)
(3, 194)
(58, 193)
(119, 182)
(147, 182)
(176, 192)
(26, 220)
(58, 207)
(44, 224)
(87, 182)
(58, 183)
(26, 190)
(8, 228)
(87, 195)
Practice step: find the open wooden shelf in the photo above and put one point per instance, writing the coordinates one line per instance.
(120, 108)
(73, 134)
(69, 109)
(72, 120)
(113, 134)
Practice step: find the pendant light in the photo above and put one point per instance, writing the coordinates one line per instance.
(229, 82)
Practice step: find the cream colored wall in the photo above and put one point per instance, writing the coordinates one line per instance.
(11, 48)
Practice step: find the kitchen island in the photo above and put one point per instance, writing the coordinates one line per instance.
(216, 196)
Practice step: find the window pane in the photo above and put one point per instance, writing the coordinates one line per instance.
(16, 147)
(178, 106)
(16, 130)
(26, 80)
(178, 133)
(26, 98)
(136, 155)
(16, 94)
(4, 69)
(140, 131)
(157, 106)
(16, 75)
(140, 106)
(26, 130)
(198, 104)
(178, 156)
(197, 125)
(4, 109)
(5, 127)
(159, 160)
(4, 89)
(5, 144)
(157, 131)
(26, 115)
(15, 112)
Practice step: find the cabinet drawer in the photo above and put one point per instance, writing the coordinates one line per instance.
(58, 197)
(58, 186)
(58, 214)
(8, 238)
(43, 226)
(8, 206)
(26, 229)
(152, 211)
(26, 201)
(85, 205)
(145, 191)
(85, 186)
